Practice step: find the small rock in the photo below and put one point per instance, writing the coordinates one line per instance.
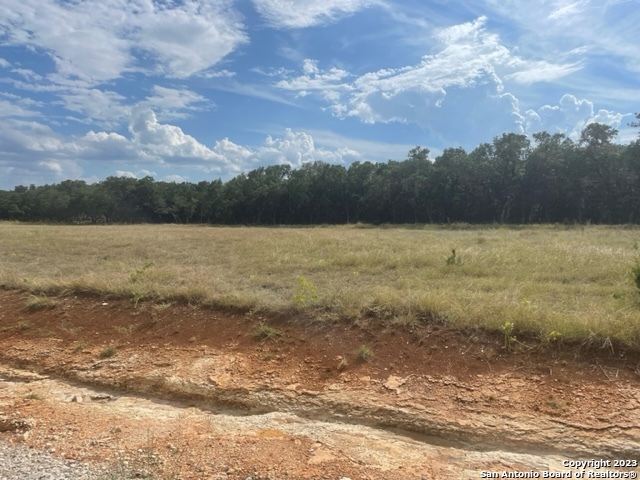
(393, 382)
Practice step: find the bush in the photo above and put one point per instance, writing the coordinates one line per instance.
(365, 353)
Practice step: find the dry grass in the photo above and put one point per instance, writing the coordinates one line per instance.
(35, 303)
(573, 281)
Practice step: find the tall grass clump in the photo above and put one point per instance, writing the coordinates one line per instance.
(36, 302)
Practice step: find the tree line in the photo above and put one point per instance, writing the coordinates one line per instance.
(511, 180)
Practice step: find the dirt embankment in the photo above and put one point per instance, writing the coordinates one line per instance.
(178, 390)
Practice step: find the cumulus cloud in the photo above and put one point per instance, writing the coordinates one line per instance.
(95, 41)
(33, 153)
(167, 142)
(307, 13)
(296, 148)
(460, 76)
(569, 116)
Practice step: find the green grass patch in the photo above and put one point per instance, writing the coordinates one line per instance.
(108, 352)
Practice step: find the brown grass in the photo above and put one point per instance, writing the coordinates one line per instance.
(573, 281)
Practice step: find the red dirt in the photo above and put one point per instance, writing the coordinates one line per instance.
(461, 373)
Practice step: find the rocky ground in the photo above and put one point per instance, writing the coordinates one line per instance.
(99, 388)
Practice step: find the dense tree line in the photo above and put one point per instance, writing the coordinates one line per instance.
(510, 180)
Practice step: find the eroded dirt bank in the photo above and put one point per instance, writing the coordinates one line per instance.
(189, 392)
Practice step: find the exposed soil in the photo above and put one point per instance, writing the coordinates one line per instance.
(190, 393)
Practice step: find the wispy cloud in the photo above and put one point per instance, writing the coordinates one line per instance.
(307, 13)
(560, 25)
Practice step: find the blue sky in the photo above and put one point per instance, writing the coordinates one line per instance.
(190, 90)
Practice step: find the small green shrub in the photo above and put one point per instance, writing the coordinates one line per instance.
(138, 274)
(124, 330)
(138, 292)
(79, 347)
(32, 396)
(554, 337)
(306, 293)
(364, 353)
(453, 259)
(108, 352)
(507, 330)
(263, 332)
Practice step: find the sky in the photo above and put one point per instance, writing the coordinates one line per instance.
(191, 90)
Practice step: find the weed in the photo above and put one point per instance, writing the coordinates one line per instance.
(554, 337)
(108, 352)
(453, 259)
(507, 330)
(79, 347)
(32, 396)
(635, 273)
(364, 353)
(342, 364)
(73, 331)
(135, 278)
(138, 274)
(159, 307)
(36, 303)
(24, 326)
(263, 332)
(306, 293)
(268, 356)
(125, 330)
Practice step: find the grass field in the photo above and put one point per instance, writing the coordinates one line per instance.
(557, 282)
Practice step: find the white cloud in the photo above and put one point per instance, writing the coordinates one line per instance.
(4, 63)
(33, 153)
(167, 142)
(460, 76)
(191, 39)
(367, 149)
(174, 178)
(101, 107)
(171, 103)
(543, 71)
(14, 109)
(595, 26)
(125, 174)
(95, 41)
(570, 116)
(308, 13)
(296, 148)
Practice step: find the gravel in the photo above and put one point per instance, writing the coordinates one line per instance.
(21, 463)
